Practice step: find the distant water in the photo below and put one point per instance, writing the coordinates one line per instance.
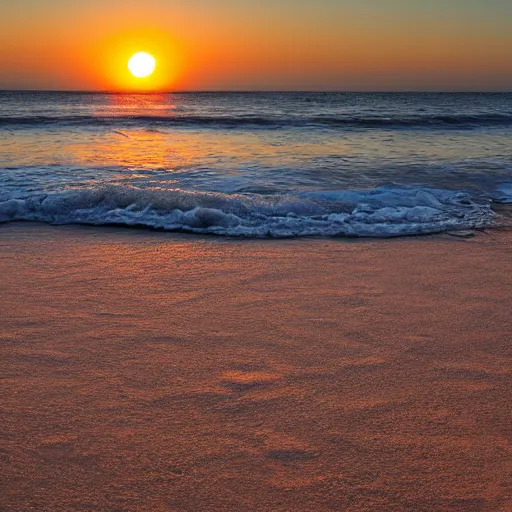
(257, 164)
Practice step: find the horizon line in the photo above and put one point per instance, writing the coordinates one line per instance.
(263, 91)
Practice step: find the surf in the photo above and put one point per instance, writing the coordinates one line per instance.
(455, 121)
(381, 212)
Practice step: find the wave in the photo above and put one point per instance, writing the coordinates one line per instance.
(421, 121)
(503, 193)
(382, 212)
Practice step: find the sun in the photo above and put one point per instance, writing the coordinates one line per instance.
(141, 64)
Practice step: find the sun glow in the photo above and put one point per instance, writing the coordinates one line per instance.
(145, 60)
(142, 64)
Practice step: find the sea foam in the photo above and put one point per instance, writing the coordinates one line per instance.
(381, 212)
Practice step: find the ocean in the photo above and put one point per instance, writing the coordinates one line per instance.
(257, 164)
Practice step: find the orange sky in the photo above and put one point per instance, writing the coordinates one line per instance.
(237, 45)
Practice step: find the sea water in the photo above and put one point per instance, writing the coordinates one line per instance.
(257, 164)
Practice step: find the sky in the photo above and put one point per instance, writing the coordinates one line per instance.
(343, 45)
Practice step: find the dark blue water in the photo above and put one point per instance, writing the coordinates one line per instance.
(257, 164)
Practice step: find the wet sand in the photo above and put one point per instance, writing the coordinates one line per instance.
(158, 372)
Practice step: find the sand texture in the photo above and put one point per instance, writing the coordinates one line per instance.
(157, 372)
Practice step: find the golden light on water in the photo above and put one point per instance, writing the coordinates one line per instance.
(141, 64)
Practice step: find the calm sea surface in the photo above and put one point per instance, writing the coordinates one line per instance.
(257, 164)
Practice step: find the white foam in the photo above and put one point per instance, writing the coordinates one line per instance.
(382, 212)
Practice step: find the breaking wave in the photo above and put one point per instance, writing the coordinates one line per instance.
(381, 212)
(425, 121)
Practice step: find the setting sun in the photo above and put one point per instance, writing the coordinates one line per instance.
(141, 64)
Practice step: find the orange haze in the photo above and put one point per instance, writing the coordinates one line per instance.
(252, 45)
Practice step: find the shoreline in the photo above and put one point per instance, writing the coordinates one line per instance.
(504, 224)
(152, 371)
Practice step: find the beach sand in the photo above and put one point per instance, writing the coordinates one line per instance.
(160, 372)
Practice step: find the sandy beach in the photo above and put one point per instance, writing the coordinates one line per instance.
(155, 372)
